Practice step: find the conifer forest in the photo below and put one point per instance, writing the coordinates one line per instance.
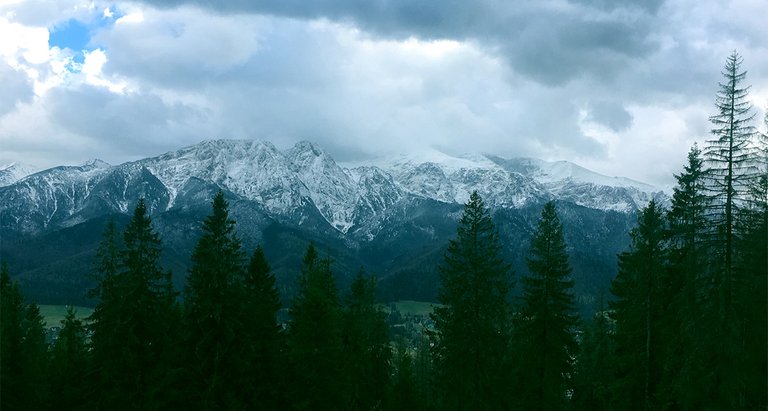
(682, 327)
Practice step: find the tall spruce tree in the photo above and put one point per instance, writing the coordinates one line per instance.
(366, 345)
(472, 327)
(636, 311)
(684, 323)
(24, 358)
(103, 339)
(730, 168)
(135, 322)
(213, 300)
(265, 354)
(730, 158)
(547, 327)
(315, 346)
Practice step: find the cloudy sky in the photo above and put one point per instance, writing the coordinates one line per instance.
(620, 86)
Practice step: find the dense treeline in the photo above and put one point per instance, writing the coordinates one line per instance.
(684, 326)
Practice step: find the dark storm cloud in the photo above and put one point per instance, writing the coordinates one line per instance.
(651, 6)
(16, 88)
(551, 44)
(555, 48)
(610, 114)
(398, 17)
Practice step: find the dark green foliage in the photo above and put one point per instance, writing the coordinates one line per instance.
(683, 323)
(470, 350)
(425, 370)
(315, 346)
(214, 299)
(404, 394)
(637, 311)
(23, 351)
(265, 355)
(752, 259)
(104, 339)
(69, 360)
(594, 376)
(546, 330)
(34, 358)
(136, 320)
(687, 220)
(13, 307)
(366, 345)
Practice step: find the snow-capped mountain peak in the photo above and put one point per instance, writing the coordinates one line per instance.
(331, 189)
(253, 169)
(513, 182)
(95, 163)
(13, 172)
(557, 171)
(283, 183)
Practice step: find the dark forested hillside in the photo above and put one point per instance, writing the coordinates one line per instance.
(56, 267)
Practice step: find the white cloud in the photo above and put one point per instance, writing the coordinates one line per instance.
(23, 44)
(92, 69)
(621, 89)
(134, 17)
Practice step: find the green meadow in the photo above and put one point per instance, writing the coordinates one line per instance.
(53, 314)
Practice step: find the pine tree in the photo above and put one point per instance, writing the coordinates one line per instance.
(546, 332)
(135, 322)
(265, 342)
(35, 358)
(107, 262)
(366, 345)
(636, 311)
(472, 327)
(214, 299)
(315, 345)
(12, 306)
(23, 350)
(69, 360)
(683, 324)
(104, 339)
(730, 158)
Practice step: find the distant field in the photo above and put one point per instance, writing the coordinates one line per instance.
(53, 314)
(415, 307)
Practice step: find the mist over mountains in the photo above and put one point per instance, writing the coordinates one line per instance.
(392, 215)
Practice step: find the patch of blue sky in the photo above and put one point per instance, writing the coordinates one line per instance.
(72, 34)
(76, 34)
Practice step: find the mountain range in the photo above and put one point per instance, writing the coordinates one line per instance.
(392, 215)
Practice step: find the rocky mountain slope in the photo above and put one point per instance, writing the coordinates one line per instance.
(392, 215)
